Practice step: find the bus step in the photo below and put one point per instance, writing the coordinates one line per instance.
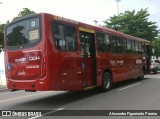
(30, 90)
(89, 88)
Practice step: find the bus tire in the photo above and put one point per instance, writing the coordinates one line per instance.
(106, 82)
(141, 77)
(156, 71)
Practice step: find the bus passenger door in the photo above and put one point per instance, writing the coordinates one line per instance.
(88, 63)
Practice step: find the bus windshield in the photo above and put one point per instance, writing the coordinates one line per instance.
(23, 32)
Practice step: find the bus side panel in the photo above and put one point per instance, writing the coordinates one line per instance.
(64, 67)
(64, 72)
(113, 63)
(121, 66)
(120, 69)
(103, 63)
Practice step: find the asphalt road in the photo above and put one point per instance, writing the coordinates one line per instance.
(129, 95)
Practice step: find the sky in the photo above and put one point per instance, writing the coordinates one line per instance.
(80, 10)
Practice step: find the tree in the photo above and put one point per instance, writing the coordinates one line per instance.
(1, 37)
(156, 46)
(135, 24)
(22, 13)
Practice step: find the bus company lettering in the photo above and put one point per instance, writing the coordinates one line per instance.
(30, 58)
(33, 58)
(21, 60)
(120, 62)
(36, 50)
(138, 61)
(112, 62)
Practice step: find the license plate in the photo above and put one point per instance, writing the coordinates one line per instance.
(21, 73)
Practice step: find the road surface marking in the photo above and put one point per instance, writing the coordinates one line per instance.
(47, 113)
(128, 86)
(10, 93)
(158, 77)
(23, 97)
(53, 111)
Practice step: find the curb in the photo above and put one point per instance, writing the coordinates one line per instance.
(3, 88)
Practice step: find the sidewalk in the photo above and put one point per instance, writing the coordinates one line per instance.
(3, 88)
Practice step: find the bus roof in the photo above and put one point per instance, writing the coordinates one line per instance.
(96, 28)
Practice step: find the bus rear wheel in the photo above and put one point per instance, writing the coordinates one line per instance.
(142, 75)
(156, 71)
(106, 82)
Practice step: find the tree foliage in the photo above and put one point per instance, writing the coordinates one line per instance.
(22, 13)
(135, 24)
(1, 37)
(156, 46)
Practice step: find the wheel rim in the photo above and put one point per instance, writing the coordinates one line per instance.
(107, 82)
(142, 74)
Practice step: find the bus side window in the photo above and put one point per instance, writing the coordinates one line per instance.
(71, 38)
(129, 46)
(119, 48)
(58, 34)
(107, 44)
(124, 45)
(140, 48)
(100, 42)
(133, 47)
(113, 43)
(143, 48)
(103, 42)
(136, 48)
(65, 37)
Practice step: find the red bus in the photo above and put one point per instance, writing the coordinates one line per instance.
(46, 52)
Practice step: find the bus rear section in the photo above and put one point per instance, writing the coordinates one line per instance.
(42, 53)
(24, 54)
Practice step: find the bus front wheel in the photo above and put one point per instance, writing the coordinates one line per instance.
(106, 81)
